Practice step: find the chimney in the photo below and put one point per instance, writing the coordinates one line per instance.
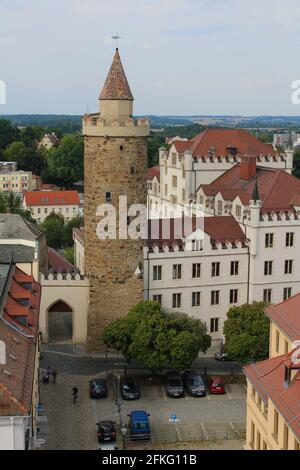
(248, 167)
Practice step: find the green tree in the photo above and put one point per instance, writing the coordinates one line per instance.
(157, 339)
(65, 162)
(28, 159)
(8, 134)
(246, 332)
(69, 254)
(76, 222)
(12, 203)
(54, 226)
(31, 135)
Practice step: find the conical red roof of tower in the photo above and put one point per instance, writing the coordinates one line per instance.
(116, 86)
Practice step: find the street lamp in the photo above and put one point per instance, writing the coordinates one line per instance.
(124, 433)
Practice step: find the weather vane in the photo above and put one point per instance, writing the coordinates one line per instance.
(116, 37)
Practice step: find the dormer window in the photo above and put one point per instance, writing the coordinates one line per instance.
(232, 150)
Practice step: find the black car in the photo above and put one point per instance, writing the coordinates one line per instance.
(129, 389)
(106, 431)
(174, 386)
(98, 388)
(194, 384)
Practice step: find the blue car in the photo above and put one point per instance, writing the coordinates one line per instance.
(139, 426)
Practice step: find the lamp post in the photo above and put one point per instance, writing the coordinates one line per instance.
(124, 433)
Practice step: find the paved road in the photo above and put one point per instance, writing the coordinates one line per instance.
(68, 364)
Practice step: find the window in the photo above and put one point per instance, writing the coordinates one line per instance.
(201, 200)
(39, 210)
(214, 325)
(157, 273)
(215, 297)
(166, 168)
(268, 268)
(108, 196)
(176, 271)
(277, 338)
(121, 148)
(174, 159)
(183, 171)
(67, 210)
(196, 299)
(264, 445)
(183, 195)
(196, 271)
(238, 211)
(286, 347)
(234, 268)
(285, 437)
(174, 181)
(287, 293)
(215, 269)
(166, 189)
(197, 245)
(269, 240)
(275, 424)
(220, 208)
(157, 298)
(288, 266)
(258, 440)
(259, 402)
(60, 210)
(296, 445)
(176, 300)
(252, 434)
(74, 210)
(233, 298)
(267, 296)
(289, 241)
(173, 200)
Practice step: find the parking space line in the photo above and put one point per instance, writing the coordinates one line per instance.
(229, 396)
(186, 397)
(204, 430)
(165, 398)
(208, 396)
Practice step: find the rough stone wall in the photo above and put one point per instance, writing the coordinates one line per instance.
(110, 264)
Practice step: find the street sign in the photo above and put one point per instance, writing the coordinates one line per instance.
(173, 418)
(42, 419)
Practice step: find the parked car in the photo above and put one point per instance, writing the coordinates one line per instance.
(194, 384)
(106, 431)
(223, 357)
(216, 386)
(98, 388)
(139, 426)
(174, 385)
(129, 389)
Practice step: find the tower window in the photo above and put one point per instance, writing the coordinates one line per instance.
(121, 148)
(132, 171)
(108, 196)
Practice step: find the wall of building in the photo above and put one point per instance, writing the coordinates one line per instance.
(74, 291)
(40, 213)
(279, 342)
(16, 181)
(12, 432)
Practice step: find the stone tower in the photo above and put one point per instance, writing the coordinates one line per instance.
(115, 164)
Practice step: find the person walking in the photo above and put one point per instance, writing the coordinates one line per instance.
(75, 392)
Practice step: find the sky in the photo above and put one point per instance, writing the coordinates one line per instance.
(181, 57)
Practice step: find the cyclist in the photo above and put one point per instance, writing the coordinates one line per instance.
(75, 392)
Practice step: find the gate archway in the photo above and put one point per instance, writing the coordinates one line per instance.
(60, 322)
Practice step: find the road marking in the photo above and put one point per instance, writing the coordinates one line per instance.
(230, 397)
(204, 430)
(245, 387)
(178, 432)
(165, 398)
(208, 396)
(186, 397)
(233, 428)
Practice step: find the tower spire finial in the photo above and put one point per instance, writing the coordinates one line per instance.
(116, 37)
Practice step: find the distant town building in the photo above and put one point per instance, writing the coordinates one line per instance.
(43, 203)
(171, 140)
(8, 166)
(16, 181)
(286, 139)
(273, 386)
(48, 187)
(36, 182)
(49, 141)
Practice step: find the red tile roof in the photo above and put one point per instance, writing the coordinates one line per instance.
(287, 316)
(116, 86)
(276, 188)
(166, 232)
(57, 261)
(152, 172)
(17, 375)
(51, 198)
(223, 139)
(268, 378)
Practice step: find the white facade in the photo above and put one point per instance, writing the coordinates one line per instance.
(181, 174)
(12, 432)
(40, 213)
